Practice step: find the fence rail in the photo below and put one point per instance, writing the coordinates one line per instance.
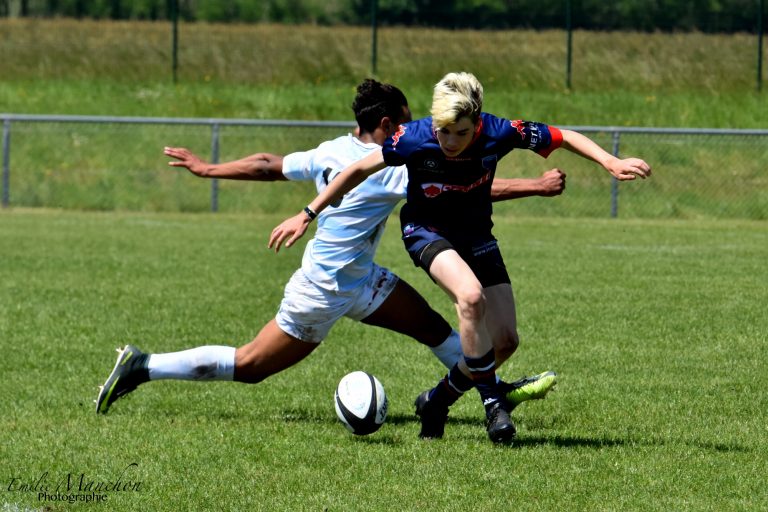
(213, 123)
(614, 135)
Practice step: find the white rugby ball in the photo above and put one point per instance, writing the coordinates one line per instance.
(361, 403)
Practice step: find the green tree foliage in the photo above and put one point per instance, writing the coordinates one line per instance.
(641, 15)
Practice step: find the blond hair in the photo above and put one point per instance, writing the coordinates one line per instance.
(455, 96)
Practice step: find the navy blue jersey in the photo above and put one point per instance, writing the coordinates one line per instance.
(453, 194)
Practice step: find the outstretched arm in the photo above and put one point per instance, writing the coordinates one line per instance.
(257, 167)
(293, 228)
(550, 183)
(621, 169)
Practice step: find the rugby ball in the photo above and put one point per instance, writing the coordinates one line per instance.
(361, 403)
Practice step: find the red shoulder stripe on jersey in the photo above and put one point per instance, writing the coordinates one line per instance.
(557, 140)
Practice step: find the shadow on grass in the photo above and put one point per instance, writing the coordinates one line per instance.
(522, 440)
(568, 442)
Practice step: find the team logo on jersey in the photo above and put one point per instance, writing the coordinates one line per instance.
(399, 133)
(519, 125)
(430, 164)
(432, 190)
(489, 162)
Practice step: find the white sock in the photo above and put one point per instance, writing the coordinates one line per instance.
(449, 352)
(211, 362)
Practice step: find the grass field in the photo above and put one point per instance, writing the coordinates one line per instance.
(657, 328)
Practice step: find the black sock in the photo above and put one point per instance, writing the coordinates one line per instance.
(483, 371)
(451, 387)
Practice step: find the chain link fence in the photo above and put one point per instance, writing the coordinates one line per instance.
(110, 163)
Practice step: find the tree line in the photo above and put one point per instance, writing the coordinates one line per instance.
(639, 15)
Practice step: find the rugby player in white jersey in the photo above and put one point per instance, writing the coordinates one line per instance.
(337, 269)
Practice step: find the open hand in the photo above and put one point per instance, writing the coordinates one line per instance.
(629, 169)
(291, 229)
(186, 158)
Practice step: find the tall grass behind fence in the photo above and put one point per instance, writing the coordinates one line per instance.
(308, 72)
(122, 167)
(271, 55)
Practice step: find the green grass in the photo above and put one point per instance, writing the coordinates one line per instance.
(309, 72)
(106, 167)
(657, 328)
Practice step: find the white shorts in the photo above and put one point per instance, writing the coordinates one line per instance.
(308, 311)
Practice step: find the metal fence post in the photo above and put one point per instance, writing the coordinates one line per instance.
(614, 181)
(569, 43)
(761, 8)
(174, 5)
(374, 37)
(6, 163)
(215, 160)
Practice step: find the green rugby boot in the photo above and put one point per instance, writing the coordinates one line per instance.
(529, 388)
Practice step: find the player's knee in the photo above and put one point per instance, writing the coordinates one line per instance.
(471, 303)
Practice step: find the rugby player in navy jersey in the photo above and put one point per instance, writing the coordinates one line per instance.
(338, 276)
(451, 159)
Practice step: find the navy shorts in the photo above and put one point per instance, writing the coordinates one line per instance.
(480, 252)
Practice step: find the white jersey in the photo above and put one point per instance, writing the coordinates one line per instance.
(340, 256)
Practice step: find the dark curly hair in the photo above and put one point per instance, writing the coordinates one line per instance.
(375, 100)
